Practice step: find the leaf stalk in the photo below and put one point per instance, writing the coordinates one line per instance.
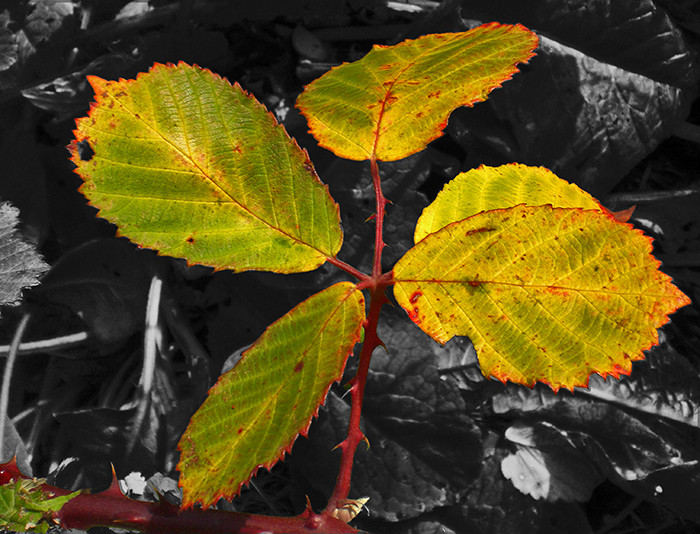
(349, 269)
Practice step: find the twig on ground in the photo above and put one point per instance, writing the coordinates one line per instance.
(7, 376)
(48, 345)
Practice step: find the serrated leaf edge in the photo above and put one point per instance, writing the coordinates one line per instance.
(283, 450)
(98, 83)
(442, 123)
(681, 300)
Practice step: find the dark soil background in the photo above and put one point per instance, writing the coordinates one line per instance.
(609, 102)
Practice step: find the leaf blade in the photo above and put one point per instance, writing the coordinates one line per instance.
(188, 164)
(489, 188)
(530, 285)
(307, 348)
(390, 104)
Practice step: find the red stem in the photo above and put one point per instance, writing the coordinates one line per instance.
(377, 285)
(357, 388)
(348, 269)
(112, 509)
(102, 509)
(381, 203)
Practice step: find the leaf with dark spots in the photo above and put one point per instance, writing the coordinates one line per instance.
(489, 188)
(274, 390)
(362, 111)
(160, 178)
(509, 291)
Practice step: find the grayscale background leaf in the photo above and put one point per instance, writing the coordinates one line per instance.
(611, 80)
(20, 264)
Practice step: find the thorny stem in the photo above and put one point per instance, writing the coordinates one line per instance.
(357, 388)
(377, 285)
(108, 509)
(111, 508)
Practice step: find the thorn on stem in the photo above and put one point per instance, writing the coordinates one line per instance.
(342, 445)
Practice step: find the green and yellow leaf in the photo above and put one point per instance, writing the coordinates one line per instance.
(395, 100)
(256, 410)
(490, 188)
(545, 294)
(26, 505)
(185, 163)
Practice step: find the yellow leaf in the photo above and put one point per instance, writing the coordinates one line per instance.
(395, 100)
(490, 188)
(188, 164)
(545, 294)
(256, 410)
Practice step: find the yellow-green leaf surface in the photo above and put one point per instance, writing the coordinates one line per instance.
(490, 188)
(255, 411)
(184, 162)
(395, 100)
(545, 294)
(28, 505)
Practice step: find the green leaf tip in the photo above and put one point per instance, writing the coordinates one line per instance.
(27, 505)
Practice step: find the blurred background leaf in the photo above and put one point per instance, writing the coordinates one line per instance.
(105, 282)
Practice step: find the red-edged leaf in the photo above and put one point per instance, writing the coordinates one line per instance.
(257, 409)
(548, 294)
(185, 163)
(395, 100)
